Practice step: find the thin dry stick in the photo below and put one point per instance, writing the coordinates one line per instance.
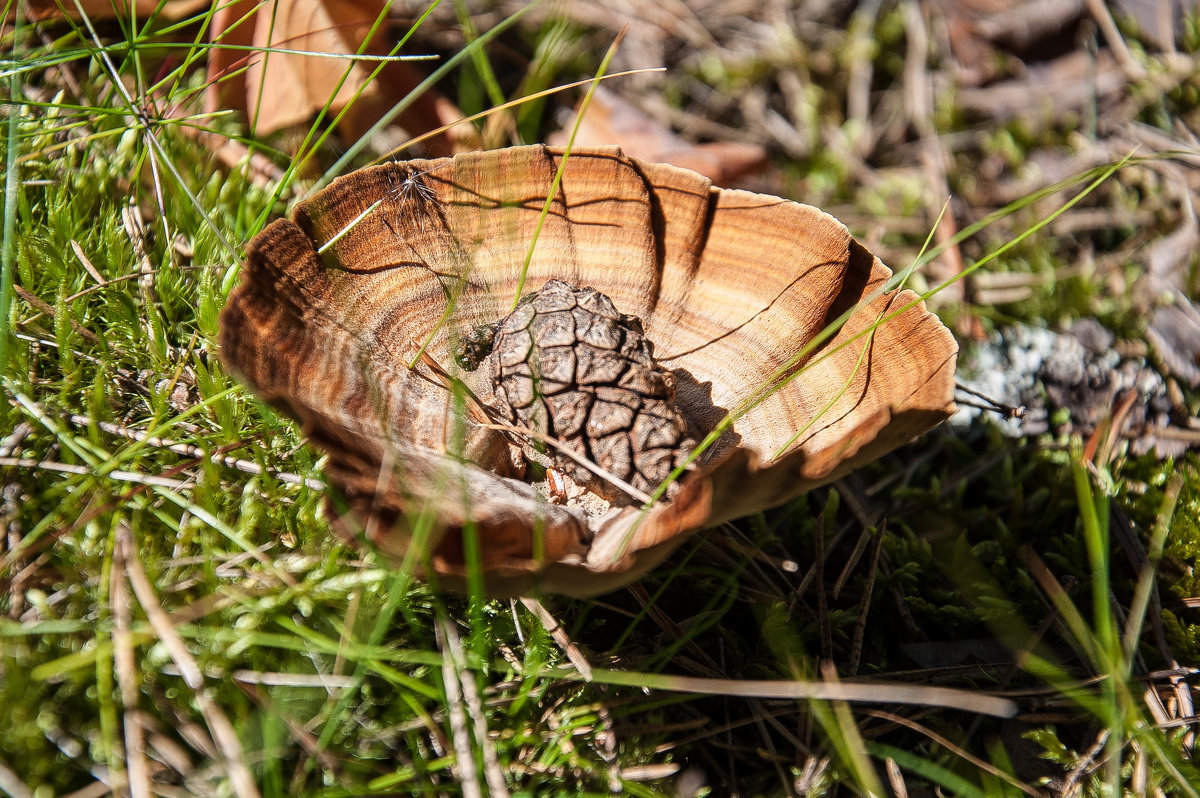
(464, 766)
(1086, 764)
(346, 637)
(136, 770)
(491, 763)
(1154, 703)
(822, 604)
(986, 767)
(864, 603)
(10, 442)
(11, 783)
(859, 74)
(859, 547)
(156, 180)
(120, 375)
(811, 573)
(604, 474)
(197, 452)
(918, 91)
(327, 681)
(119, 476)
(224, 737)
(16, 587)
(45, 307)
(124, 278)
(896, 778)
(1129, 65)
(495, 109)
(188, 730)
(707, 730)
(87, 264)
(147, 128)
(1185, 708)
(1141, 771)
(814, 769)
(789, 736)
(475, 406)
(799, 690)
(560, 636)
(768, 746)
(606, 747)
(131, 218)
(703, 660)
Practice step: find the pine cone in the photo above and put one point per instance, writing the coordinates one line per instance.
(565, 363)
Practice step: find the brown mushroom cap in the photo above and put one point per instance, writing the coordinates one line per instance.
(732, 288)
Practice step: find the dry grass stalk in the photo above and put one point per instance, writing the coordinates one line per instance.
(224, 737)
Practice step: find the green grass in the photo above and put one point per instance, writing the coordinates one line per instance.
(167, 595)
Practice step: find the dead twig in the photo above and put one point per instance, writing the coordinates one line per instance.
(1071, 782)
(137, 772)
(460, 737)
(224, 737)
(1116, 42)
(864, 603)
(560, 636)
(198, 452)
(918, 91)
(975, 761)
(11, 783)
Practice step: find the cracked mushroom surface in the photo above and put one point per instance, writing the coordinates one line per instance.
(448, 362)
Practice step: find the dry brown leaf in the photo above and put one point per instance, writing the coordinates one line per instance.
(111, 9)
(278, 89)
(611, 120)
(729, 286)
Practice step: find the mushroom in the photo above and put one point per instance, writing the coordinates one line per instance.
(559, 399)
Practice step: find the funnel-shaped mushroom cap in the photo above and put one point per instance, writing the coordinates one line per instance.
(354, 318)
